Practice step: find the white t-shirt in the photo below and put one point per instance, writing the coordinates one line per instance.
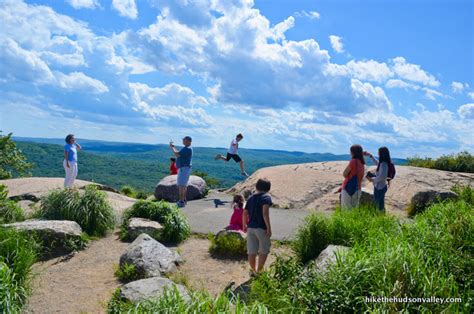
(234, 147)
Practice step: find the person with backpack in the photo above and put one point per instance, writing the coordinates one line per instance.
(353, 175)
(384, 173)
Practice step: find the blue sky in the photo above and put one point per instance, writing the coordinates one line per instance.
(314, 76)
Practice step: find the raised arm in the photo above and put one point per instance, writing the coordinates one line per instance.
(175, 151)
(79, 147)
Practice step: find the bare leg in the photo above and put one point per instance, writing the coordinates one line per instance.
(181, 193)
(242, 168)
(219, 156)
(185, 192)
(252, 261)
(262, 258)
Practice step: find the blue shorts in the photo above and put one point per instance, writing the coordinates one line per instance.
(183, 176)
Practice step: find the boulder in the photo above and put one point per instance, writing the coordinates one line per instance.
(150, 288)
(150, 257)
(328, 257)
(137, 226)
(424, 198)
(367, 196)
(168, 190)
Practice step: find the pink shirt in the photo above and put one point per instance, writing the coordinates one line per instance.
(236, 219)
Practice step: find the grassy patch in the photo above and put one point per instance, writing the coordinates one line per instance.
(9, 210)
(18, 252)
(127, 272)
(228, 246)
(90, 210)
(175, 225)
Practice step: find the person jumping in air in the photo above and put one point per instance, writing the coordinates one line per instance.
(233, 153)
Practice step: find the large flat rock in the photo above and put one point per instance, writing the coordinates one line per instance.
(312, 185)
(149, 289)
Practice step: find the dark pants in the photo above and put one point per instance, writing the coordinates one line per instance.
(379, 198)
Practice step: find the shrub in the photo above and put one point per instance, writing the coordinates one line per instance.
(461, 162)
(175, 224)
(142, 195)
(9, 210)
(127, 272)
(465, 193)
(128, 191)
(231, 245)
(433, 256)
(12, 160)
(173, 302)
(18, 252)
(90, 210)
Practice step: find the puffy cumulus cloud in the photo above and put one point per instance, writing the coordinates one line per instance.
(336, 43)
(78, 81)
(247, 60)
(312, 15)
(173, 103)
(369, 70)
(84, 4)
(466, 111)
(413, 72)
(126, 8)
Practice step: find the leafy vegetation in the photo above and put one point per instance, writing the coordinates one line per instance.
(433, 256)
(12, 160)
(175, 225)
(18, 252)
(127, 272)
(461, 162)
(174, 302)
(9, 210)
(132, 192)
(230, 246)
(90, 210)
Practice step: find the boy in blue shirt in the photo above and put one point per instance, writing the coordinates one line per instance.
(259, 229)
(184, 165)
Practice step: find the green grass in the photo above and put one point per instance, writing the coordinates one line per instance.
(173, 302)
(9, 210)
(175, 225)
(432, 256)
(230, 246)
(127, 272)
(18, 252)
(461, 162)
(90, 210)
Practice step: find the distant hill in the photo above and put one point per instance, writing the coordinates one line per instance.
(143, 165)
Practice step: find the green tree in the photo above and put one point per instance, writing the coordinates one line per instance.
(12, 160)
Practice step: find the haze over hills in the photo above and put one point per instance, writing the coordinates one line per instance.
(143, 165)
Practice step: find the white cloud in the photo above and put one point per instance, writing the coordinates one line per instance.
(397, 83)
(471, 95)
(466, 111)
(431, 93)
(78, 81)
(457, 87)
(413, 72)
(336, 43)
(126, 8)
(84, 4)
(312, 15)
(369, 70)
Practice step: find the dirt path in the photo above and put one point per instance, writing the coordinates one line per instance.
(82, 284)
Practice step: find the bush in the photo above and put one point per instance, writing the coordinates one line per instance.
(342, 228)
(9, 210)
(461, 162)
(141, 195)
(128, 191)
(127, 272)
(231, 245)
(175, 225)
(90, 210)
(18, 252)
(12, 160)
(433, 256)
(173, 302)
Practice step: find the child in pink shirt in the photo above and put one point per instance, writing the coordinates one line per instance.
(236, 222)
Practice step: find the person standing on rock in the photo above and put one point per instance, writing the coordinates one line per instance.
(353, 174)
(184, 165)
(381, 176)
(233, 153)
(70, 160)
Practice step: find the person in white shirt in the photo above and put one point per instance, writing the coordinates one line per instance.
(233, 153)
(381, 176)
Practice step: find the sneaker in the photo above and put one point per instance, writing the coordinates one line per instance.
(245, 174)
(218, 156)
(181, 204)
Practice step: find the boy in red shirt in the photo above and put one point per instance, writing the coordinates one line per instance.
(173, 168)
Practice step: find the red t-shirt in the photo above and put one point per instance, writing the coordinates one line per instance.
(356, 168)
(173, 168)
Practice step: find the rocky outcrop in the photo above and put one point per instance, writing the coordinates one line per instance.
(150, 288)
(423, 198)
(167, 189)
(137, 226)
(150, 257)
(328, 257)
(313, 185)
